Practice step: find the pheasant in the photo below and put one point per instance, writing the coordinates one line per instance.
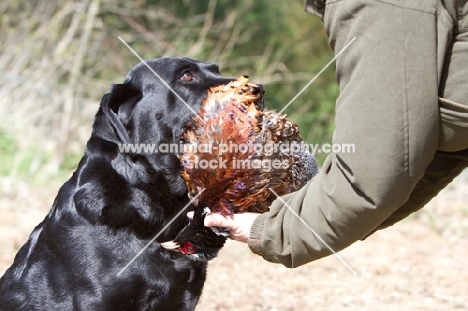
(235, 153)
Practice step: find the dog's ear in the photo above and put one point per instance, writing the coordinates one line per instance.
(117, 106)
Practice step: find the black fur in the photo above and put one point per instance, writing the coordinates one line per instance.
(115, 203)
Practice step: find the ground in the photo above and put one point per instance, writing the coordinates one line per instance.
(418, 264)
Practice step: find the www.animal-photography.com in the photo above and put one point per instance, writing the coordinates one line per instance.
(233, 156)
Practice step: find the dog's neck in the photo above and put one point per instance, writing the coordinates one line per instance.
(155, 178)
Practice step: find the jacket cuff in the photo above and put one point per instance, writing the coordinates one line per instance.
(256, 232)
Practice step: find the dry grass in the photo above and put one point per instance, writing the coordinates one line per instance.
(419, 264)
(58, 58)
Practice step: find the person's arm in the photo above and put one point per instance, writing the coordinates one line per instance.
(387, 110)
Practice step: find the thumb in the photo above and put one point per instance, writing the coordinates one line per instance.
(218, 220)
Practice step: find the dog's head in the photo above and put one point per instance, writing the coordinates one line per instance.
(151, 107)
(158, 98)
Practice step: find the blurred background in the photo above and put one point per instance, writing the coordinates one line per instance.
(57, 59)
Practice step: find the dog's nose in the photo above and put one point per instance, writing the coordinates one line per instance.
(262, 91)
(257, 90)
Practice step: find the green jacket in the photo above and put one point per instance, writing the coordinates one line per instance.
(403, 104)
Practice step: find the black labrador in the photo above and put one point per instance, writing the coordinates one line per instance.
(116, 202)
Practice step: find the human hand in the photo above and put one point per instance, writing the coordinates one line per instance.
(239, 225)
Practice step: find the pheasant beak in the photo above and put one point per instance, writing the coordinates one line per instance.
(171, 245)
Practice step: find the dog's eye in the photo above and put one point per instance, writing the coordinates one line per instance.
(186, 76)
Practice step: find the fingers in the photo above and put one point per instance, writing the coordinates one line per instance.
(238, 224)
(216, 220)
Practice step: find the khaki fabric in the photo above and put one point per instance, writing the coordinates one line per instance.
(404, 105)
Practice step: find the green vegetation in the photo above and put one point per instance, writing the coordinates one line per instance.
(58, 58)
